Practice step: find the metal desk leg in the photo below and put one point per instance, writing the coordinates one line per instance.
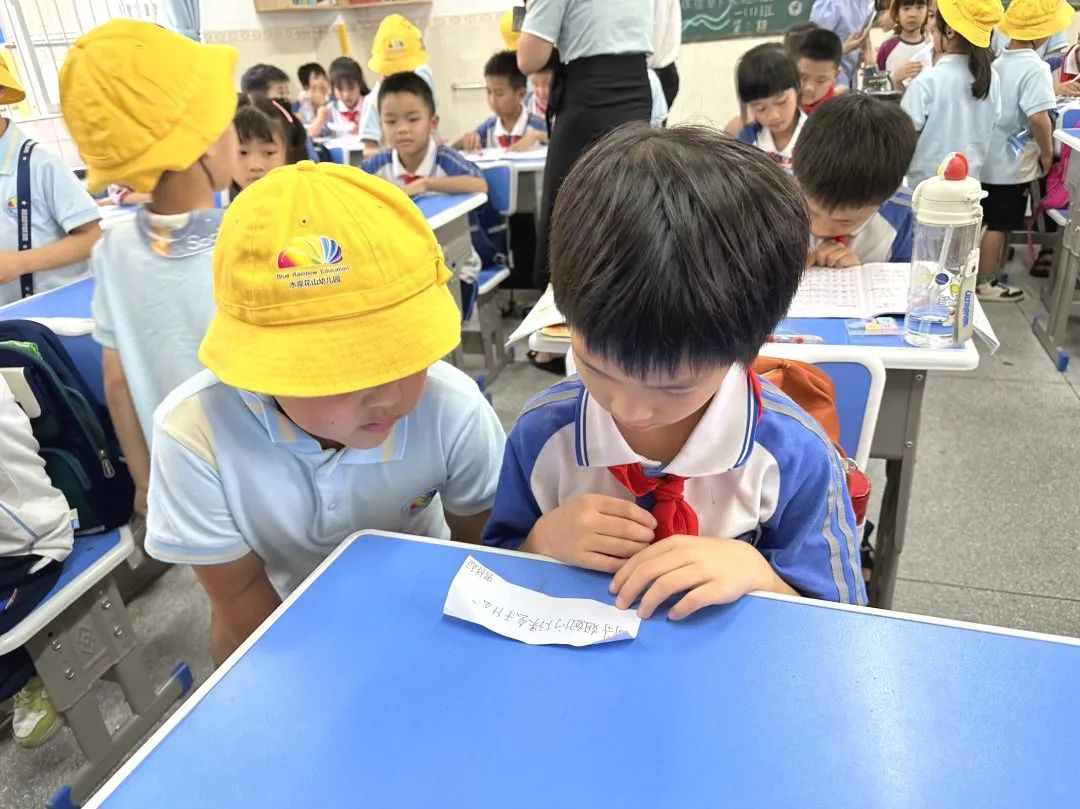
(457, 249)
(1051, 331)
(896, 441)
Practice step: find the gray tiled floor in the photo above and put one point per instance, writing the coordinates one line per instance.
(993, 536)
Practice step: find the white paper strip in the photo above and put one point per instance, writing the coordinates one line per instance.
(481, 597)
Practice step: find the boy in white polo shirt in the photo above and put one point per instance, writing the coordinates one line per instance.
(63, 218)
(326, 408)
(668, 463)
(512, 126)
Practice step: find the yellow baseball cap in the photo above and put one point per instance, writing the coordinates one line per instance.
(327, 281)
(1028, 20)
(398, 47)
(11, 92)
(972, 19)
(140, 100)
(506, 28)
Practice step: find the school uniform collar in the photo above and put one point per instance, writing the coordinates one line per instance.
(766, 142)
(281, 430)
(10, 142)
(340, 107)
(519, 126)
(721, 441)
(426, 167)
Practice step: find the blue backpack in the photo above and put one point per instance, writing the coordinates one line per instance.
(82, 456)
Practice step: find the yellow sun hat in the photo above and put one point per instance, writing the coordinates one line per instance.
(327, 281)
(140, 100)
(972, 19)
(11, 92)
(398, 47)
(1028, 20)
(506, 28)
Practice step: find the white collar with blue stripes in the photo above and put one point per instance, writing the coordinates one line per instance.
(721, 441)
(282, 430)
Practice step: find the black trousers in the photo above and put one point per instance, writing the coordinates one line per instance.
(590, 97)
(669, 80)
(20, 592)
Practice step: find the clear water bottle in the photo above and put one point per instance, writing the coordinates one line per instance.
(945, 256)
(1020, 140)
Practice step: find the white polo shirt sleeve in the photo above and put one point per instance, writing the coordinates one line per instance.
(370, 125)
(916, 101)
(544, 19)
(70, 204)
(103, 333)
(189, 520)
(1036, 92)
(473, 461)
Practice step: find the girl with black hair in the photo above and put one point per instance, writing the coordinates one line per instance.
(269, 136)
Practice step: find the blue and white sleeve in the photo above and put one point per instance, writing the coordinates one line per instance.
(515, 511)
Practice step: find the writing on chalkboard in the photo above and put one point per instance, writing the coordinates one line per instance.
(716, 19)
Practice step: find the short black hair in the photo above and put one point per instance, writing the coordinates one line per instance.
(820, 45)
(307, 70)
(258, 78)
(794, 35)
(407, 82)
(266, 119)
(694, 249)
(504, 64)
(765, 71)
(346, 70)
(854, 151)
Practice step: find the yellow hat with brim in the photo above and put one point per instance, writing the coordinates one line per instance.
(327, 281)
(972, 19)
(1029, 20)
(140, 100)
(11, 92)
(398, 47)
(506, 28)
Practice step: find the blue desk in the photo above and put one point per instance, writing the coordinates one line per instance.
(72, 300)
(359, 692)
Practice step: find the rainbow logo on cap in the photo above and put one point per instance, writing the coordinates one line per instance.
(309, 251)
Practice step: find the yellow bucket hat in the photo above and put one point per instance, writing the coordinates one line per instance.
(11, 92)
(1028, 20)
(506, 28)
(972, 19)
(327, 281)
(140, 100)
(398, 47)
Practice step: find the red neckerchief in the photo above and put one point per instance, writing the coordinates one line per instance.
(673, 514)
(809, 108)
(352, 116)
(410, 178)
(506, 141)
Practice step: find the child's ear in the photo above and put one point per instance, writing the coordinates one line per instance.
(434, 121)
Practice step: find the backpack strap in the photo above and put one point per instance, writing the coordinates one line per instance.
(22, 183)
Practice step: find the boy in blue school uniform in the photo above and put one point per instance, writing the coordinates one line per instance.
(154, 295)
(326, 407)
(63, 216)
(669, 464)
(418, 164)
(512, 126)
(850, 163)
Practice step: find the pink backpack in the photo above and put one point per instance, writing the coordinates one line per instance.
(1057, 195)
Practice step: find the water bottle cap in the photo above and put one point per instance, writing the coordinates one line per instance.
(950, 198)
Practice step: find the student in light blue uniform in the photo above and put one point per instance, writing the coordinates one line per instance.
(326, 407)
(154, 294)
(954, 104)
(603, 82)
(1027, 97)
(63, 216)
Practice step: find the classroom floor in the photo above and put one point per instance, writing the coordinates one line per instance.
(991, 536)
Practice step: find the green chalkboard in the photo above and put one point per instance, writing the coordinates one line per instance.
(720, 19)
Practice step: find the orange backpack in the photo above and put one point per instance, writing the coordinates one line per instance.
(812, 390)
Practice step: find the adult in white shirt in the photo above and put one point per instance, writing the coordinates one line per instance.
(667, 38)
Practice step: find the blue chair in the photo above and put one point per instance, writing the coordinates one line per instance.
(483, 301)
(859, 381)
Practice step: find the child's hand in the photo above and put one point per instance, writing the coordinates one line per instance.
(12, 265)
(709, 570)
(1068, 89)
(593, 531)
(416, 187)
(855, 41)
(1045, 162)
(908, 70)
(530, 140)
(470, 142)
(832, 254)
